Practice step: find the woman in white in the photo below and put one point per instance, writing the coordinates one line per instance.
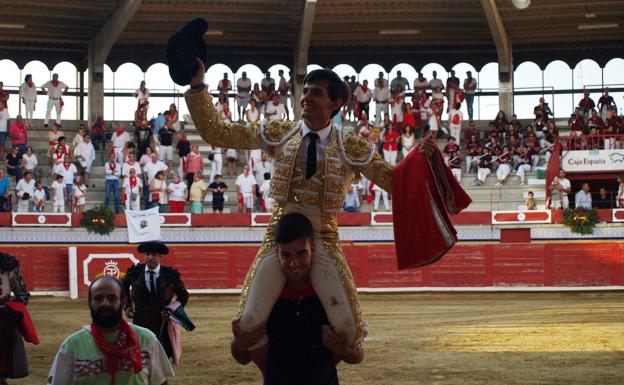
(408, 141)
(504, 166)
(378, 194)
(158, 192)
(216, 163)
(28, 94)
(397, 107)
(220, 102)
(31, 163)
(146, 157)
(253, 113)
(178, 192)
(79, 195)
(142, 95)
(131, 189)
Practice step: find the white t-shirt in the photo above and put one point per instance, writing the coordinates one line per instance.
(382, 94)
(31, 161)
(87, 151)
(68, 174)
(265, 188)
(55, 92)
(39, 195)
(77, 140)
(455, 116)
(28, 93)
(25, 187)
(152, 168)
(177, 191)
(125, 170)
(59, 191)
(420, 85)
(142, 96)
(79, 193)
(120, 140)
(277, 110)
(244, 84)
(136, 188)
(246, 183)
(361, 96)
(565, 183)
(253, 116)
(260, 168)
(433, 83)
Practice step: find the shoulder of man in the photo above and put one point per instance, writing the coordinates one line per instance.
(356, 151)
(276, 133)
(170, 273)
(135, 270)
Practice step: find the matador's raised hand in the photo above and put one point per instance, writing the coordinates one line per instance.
(427, 146)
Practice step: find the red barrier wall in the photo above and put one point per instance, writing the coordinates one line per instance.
(373, 265)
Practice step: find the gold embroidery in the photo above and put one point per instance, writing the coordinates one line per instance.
(276, 130)
(356, 149)
(380, 173)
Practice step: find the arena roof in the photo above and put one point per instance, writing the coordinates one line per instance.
(356, 32)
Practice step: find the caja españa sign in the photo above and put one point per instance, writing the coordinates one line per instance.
(593, 160)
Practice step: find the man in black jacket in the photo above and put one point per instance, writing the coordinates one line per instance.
(150, 287)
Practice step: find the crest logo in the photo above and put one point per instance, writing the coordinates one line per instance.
(111, 269)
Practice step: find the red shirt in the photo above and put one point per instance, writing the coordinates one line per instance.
(390, 138)
(195, 163)
(4, 99)
(18, 133)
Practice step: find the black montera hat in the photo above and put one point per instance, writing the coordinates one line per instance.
(154, 247)
(182, 49)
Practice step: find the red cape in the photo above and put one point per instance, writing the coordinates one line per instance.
(26, 327)
(424, 193)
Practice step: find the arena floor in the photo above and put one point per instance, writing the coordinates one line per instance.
(448, 338)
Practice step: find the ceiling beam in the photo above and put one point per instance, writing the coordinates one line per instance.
(303, 39)
(499, 34)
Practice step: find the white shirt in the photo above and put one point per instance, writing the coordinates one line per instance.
(246, 183)
(436, 83)
(142, 96)
(253, 116)
(177, 191)
(278, 111)
(113, 172)
(59, 191)
(79, 193)
(120, 140)
(452, 115)
(224, 85)
(152, 168)
(136, 188)
(28, 93)
(381, 94)
(147, 276)
(125, 170)
(68, 173)
(31, 161)
(302, 155)
(55, 92)
(265, 83)
(243, 84)
(418, 85)
(77, 140)
(87, 151)
(260, 168)
(582, 199)
(39, 195)
(467, 82)
(565, 183)
(25, 187)
(265, 188)
(361, 96)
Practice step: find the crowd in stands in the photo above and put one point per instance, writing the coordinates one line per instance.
(139, 164)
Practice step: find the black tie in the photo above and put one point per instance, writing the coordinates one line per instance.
(152, 283)
(311, 161)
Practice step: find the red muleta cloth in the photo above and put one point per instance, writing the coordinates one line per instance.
(26, 327)
(424, 192)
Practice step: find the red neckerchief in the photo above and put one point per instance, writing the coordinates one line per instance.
(131, 163)
(30, 84)
(133, 182)
(119, 132)
(291, 294)
(55, 83)
(66, 165)
(364, 88)
(58, 156)
(126, 347)
(143, 89)
(112, 166)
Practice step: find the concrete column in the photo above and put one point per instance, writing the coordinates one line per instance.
(505, 85)
(96, 83)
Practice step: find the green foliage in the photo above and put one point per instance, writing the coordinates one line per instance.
(581, 220)
(99, 220)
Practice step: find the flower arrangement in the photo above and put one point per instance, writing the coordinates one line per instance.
(98, 220)
(581, 220)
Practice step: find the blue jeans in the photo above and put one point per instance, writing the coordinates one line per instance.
(98, 138)
(70, 189)
(112, 185)
(469, 102)
(3, 136)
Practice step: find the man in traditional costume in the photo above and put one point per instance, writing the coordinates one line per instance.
(314, 165)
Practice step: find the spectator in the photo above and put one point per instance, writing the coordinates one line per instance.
(224, 87)
(620, 195)
(434, 110)
(583, 197)
(216, 162)
(265, 191)
(178, 193)
(266, 83)
(381, 95)
(586, 104)
(39, 198)
(194, 164)
(58, 195)
(159, 122)
(98, 132)
(274, 109)
(145, 158)
(456, 120)
(504, 166)
(451, 146)
(435, 82)
(183, 148)
(243, 89)
(218, 188)
(420, 84)
(173, 120)
(69, 172)
(246, 189)
(542, 111)
(452, 85)
(142, 95)
(13, 163)
(260, 168)
(5, 184)
(485, 166)
(454, 163)
(352, 200)
(563, 187)
(31, 163)
(58, 158)
(473, 152)
(232, 158)
(529, 203)
(399, 82)
(152, 167)
(408, 141)
(79, 137)
(226, 114)
(253, 114)
(390, 144)
(525, 164)
(258, 96)
(18, 134)
(606, 103)
(118, 140)
(282, 90)
(4, 117)
(603, 200)
(158, 192)
(363, 97)
(144, 362)
(112, 171)
(53, 137)
(25, 191)
(132, 188)
(350, 106)
(397, 102)
(470, 87)
(379, 192)
(28, 95)
(142, 133)
(85, 155)
(166, 145)
(197, 193)
(363, 126)
(55, 90)
(130, 164)
(79, 196)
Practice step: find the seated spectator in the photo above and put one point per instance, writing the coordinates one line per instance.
(274, 110)
(577, 122)
(471, 131)
(79, 137)
(503, 160)
(583, 197)
(197, 193)
(53, 137)
(31, 163)
(586, 104)
(79, 195)
(178, 192)
(18, 134)
(529, 203)
(473, 152)
(84, 157)
(493, 146)
(603, 199)
(5, 184)
(158, 192)
(13, 163)
(450, 147)
(58, 195)
(98, 132)
(131, 190)
(595, 121)
(226, 114)
(25, 191)
(485, 166)
(455, 163)
(173, 120)
(218, 189)
(39, 198)
(525, 164)
(253, 113)
(352, 200)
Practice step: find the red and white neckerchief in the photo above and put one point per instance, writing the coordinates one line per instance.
(66, 165)
(59, 157)
(112, 166)
(133, 182)
(30, 84)
(55, 83)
